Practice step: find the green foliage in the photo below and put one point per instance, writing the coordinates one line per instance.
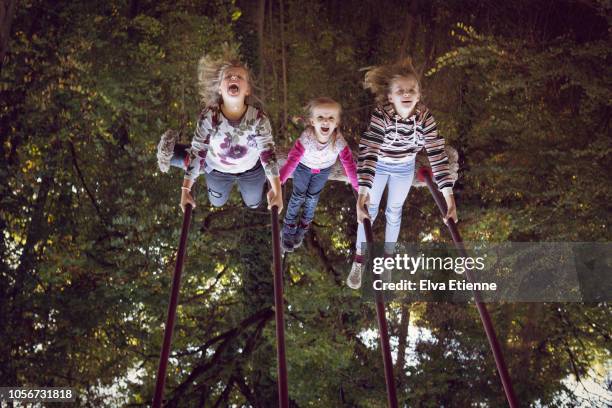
(90, 226)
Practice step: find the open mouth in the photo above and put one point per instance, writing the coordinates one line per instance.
(406, 101)
(324, 129)
(233, 89)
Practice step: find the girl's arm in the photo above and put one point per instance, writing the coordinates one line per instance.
(197, 156)
(275, 194)
(440, 166)
(199, 145)
(438, 159)
(265, 145)
(267, 156)
(293, 159)
(369, 148)
(451, 211)
(346, 158)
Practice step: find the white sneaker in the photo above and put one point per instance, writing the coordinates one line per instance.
(354, 279)
(165, 150)
(386, 276)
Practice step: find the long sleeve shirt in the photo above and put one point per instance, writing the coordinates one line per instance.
(316, 155)
(394, 140)
(232, 146)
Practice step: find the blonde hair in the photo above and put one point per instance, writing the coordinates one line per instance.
(379, 79)
(211, 69)
(324, 100)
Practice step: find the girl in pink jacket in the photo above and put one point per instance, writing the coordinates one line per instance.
(310, 161)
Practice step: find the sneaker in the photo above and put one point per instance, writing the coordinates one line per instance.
(165, 150)
(288, 238)
(386, 276)
(354, 279)
(299, 236)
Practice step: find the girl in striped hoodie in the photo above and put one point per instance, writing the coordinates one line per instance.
(400, 126)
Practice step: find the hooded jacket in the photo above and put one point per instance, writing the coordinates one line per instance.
(394, 140)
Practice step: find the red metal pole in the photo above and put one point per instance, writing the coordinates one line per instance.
(279, 307)
(425, 175)
(384, 333)
(174, 294)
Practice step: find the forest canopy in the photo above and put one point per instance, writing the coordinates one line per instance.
(90, 225)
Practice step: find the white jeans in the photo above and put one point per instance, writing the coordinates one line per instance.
(399, 179)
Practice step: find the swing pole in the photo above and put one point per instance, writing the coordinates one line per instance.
(283, 394)
(383, 330)
(174, 294)
(424, 174)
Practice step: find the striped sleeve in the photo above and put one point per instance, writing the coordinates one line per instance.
(369, 148)
(199, 145)
(438, 159)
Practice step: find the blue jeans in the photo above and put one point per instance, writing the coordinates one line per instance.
(250, 183)
(399, 179)
(180, 157)
(307, 187)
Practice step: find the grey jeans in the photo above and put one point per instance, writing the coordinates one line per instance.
(251, 184)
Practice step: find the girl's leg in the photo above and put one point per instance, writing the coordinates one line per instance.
(301, 180)
(219, 187)
(180, 157)
(399, 186)
(315, 187)
(376, 192)
(317, 182)
(166, 151)
(251, 184)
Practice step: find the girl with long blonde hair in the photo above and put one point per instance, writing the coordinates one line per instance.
(233, 138)
(400, 126)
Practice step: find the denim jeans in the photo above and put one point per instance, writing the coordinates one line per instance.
(399, 179)
(250, 183)
(180, 158)
(307, 187)
(219, 185)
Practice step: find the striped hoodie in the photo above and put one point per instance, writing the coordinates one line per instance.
(394, 140)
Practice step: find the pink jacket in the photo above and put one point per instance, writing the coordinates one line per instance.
(297, 152)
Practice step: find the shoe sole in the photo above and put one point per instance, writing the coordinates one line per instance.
(165, 150)
(286, 249)
(351, 285)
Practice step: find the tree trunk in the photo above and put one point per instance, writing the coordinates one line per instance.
(407, 46)
(284, 67)
(402, 344)
(259, 23)
(7, 13)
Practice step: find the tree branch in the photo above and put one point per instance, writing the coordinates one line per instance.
(80, 175)
(316, 246)
(263, 316)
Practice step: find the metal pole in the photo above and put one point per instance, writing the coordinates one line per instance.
(384, 333)
(279, 306)
(425, 175)
(174, 294)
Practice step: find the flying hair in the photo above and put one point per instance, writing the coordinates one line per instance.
(378, 79)
(211, 69)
